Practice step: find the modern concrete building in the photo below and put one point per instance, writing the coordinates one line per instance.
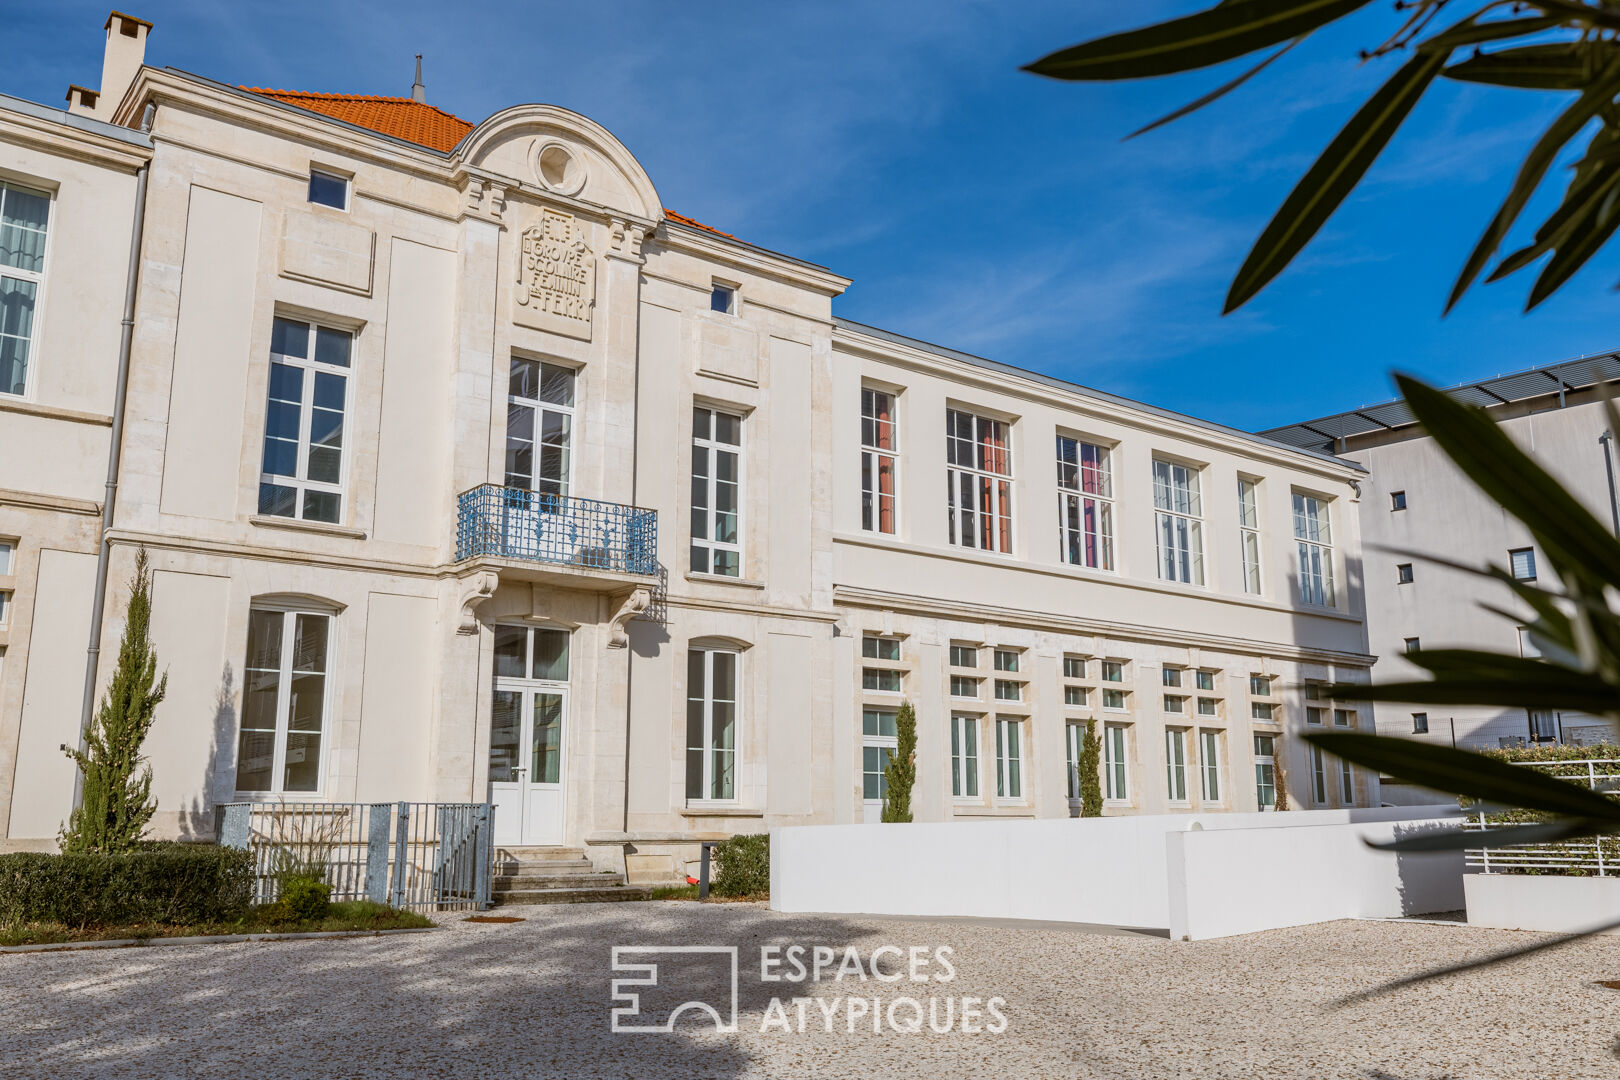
(469, 470)
(1414, 501)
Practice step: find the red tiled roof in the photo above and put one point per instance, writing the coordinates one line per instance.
(684, 220)
(400, 117)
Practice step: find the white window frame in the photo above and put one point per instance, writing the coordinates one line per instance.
(733, 297)
(977, 682)
(1009, 753)
(1529, 554)
(1420, 723)
(348, 188)
(965, 757)
(1178, 518)
(1074, 737)
(1318, 777)
(1175, 766)
(1118, 667)
(37, 279)
(1209, 764)
(1265, 765)
(878, 742)
(1124, 702)
(278, 765)
(872, 458)
(1116, 764)
(1249, 534)
(964, 524)
(1313, 542)
(711, 485)
(1074, 500)
(955, 648)
(309, 368)
(707, 776)
(880, 675)
(1347, 782)
(538, 408)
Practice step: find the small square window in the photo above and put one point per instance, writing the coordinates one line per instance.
(1260, 685)
(6, 551)
(1171, 676)
(1075, 696)
(1343, 717)
(723, 298)
(1074, 667)
(1114, 700)
(1403, 573)
(1174, 703)
(880, 648)
(964, 656)
(964, 687)
(1006, 660)
(1524, 563)
(1397, 501)
(1420, 723)
(1007, 690)
(1314, 714)
(1207, 706)
(1206, 680)
(881, 680)
(1261, 710)
(328, 189)
(1113, 671)
(1412, 645)
(5, 608)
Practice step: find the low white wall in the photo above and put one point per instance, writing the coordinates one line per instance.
(1114, 871)
(1542, 901)
(1242, 880)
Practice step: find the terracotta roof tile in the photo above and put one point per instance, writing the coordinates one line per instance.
(684, 220)
(400, 117)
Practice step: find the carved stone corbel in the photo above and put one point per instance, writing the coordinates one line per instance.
(497, 201)
(633, 604)
(477, 589)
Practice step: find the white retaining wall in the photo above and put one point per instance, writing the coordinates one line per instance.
(1542, 901)
(1197, 875)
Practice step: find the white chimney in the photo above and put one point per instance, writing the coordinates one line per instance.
(126, 52)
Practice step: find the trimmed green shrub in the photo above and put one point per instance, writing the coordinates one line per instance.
(305, 899)
(1090, 764)
(743, 866)
(173, 884)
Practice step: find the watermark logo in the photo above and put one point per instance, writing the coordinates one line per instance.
(887, 989)
(672, 980)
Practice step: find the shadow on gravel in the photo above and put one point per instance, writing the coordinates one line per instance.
(525, 1000)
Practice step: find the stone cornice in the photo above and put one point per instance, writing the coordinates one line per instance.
(69, 141)
(851, 596)
(719, 249)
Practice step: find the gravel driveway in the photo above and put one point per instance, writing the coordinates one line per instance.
(533, 999)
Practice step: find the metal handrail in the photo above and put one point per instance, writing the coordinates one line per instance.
(514, 523)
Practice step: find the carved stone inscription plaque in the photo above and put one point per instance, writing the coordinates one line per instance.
(556, 277)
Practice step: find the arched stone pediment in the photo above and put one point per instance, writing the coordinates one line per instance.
(553, 149)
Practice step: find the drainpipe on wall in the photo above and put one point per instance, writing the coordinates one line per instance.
(1608, 464)
(103, 554)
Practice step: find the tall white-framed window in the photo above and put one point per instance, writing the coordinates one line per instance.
(1175, 764)
(964, 756)
(1115, 787)
(1318, 776)
(539, 426)
(1009, 758)
(1249, 533)
(717, 449)
(978, 482)
(1209, 764)
(880, 464)
(1265, 770)
(713, 682)
(1085, 503)
(879, 738)
(1314, 541)
(304, 462)
(1074, 742)
(24, 224)
(1179, 522)
(1347, 782)
(285, 690)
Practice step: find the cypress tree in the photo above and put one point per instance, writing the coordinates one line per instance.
(1279, 775)
(901, 771)
(1091, 796)
(117, 801)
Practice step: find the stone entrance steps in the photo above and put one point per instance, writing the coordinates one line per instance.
(526, 875)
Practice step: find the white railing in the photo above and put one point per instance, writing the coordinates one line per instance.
(1596, 855)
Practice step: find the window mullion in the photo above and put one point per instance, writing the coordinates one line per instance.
(278, 759)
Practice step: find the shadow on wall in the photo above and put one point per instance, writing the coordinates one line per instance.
(1427, 882)
(197, 818)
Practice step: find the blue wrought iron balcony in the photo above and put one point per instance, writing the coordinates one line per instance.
(511, 523)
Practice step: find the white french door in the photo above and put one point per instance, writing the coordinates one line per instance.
(528, 757)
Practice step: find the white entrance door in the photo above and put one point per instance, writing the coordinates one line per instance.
(528, 728)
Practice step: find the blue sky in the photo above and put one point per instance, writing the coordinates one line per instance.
(974, 205)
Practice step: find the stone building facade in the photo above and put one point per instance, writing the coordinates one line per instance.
(467, 470)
